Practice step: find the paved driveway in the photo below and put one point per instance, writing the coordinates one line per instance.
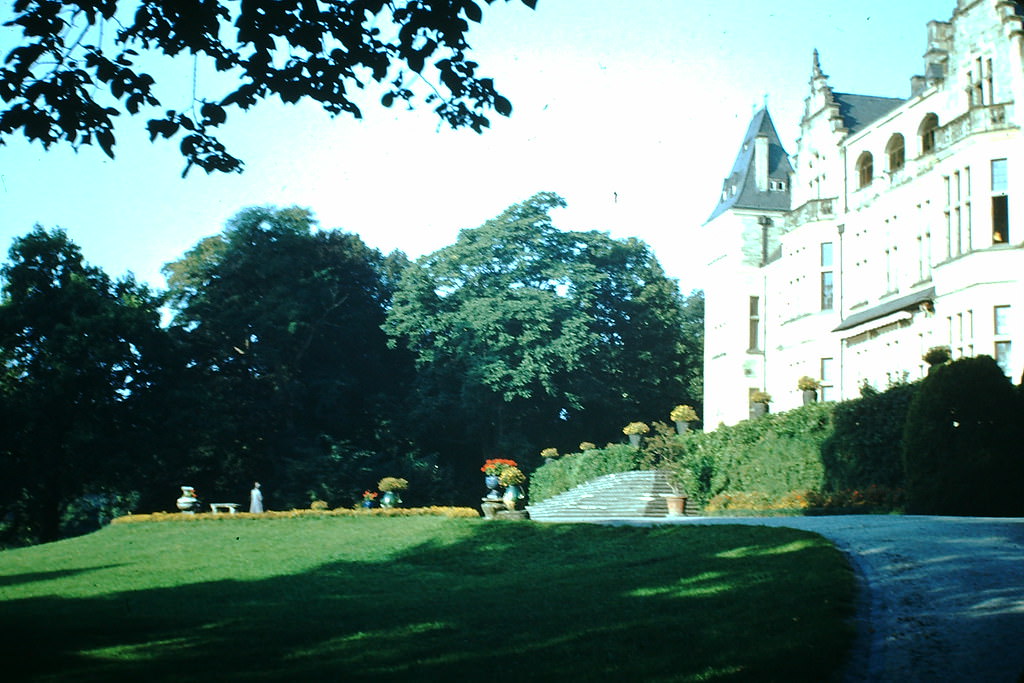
(943, 597)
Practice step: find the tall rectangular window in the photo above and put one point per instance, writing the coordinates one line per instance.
(888, 271)
(755, 323)
(920, 259)
(1000, 219)
(1001, 324)
(826, 291)
(1001, 328)
(1003, 356)
(1000, 202)
(999, 175)
(928, 254)
(948, 213)
(958, 332)
(957, 226)
(990, 91)
(827, 379)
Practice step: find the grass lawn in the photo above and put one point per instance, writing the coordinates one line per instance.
(425, 599)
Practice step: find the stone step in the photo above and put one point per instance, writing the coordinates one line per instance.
(622, 495)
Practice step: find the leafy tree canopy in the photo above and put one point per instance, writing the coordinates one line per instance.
(283, 322)
(531, 329)
(77, 65)
(79, 351)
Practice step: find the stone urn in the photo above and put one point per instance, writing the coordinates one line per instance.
(492, 482)
(513, 497)
(188, 501)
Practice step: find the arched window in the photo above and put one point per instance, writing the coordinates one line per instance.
(895, 150)
(865, 169)
(926, 132)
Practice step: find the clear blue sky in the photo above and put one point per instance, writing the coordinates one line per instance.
(632, 111)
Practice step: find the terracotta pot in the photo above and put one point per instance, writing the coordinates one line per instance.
(676, 505)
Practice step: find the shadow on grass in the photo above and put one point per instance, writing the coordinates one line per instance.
(34, 577)
(511, 602)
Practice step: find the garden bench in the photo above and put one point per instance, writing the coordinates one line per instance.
(222, 507)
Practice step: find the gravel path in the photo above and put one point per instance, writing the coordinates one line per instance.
(942, 598)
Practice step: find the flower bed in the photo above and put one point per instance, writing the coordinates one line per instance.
(432, 511)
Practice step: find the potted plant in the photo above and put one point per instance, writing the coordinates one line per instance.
(492, 469)
(512, 478)
(369, 499)
(634, 430)
(810, 387)
(391, 487)
(679, 481)
(759, 401)
(683, 415)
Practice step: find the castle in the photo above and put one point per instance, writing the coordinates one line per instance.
(889, 232)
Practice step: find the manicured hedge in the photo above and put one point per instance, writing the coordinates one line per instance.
(432, 511)
(865, 448)
(782, 461)
(772, 456)
(569, 471)
(961, 444)
(948, 444)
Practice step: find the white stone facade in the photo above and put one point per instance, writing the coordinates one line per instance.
(904, 230)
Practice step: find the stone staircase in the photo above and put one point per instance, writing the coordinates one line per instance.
(626, 495)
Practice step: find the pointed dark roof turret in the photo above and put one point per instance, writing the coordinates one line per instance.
(741, 189)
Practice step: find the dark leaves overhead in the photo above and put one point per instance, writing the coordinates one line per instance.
(76, 66)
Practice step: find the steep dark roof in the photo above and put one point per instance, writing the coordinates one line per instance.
(859, 111)
(746, 195)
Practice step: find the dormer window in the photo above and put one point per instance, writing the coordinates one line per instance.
(865, 170)
(777, 185)
(895, 150)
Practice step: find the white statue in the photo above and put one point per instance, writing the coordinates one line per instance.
(256, 498)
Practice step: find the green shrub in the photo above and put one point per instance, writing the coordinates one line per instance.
(768, 458)
(850, 456)
(865, 448)
(774, 455)
(569, 471)
(961, 442)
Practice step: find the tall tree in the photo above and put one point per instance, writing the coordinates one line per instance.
(693, 345)
(76, 66)
(79, 351)
(284, 322)
(526, 335)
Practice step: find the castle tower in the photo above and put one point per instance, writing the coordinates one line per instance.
(741, 236)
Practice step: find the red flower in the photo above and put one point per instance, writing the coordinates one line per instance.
(495, 466)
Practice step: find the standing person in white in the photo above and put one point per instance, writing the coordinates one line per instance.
(256, 498)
